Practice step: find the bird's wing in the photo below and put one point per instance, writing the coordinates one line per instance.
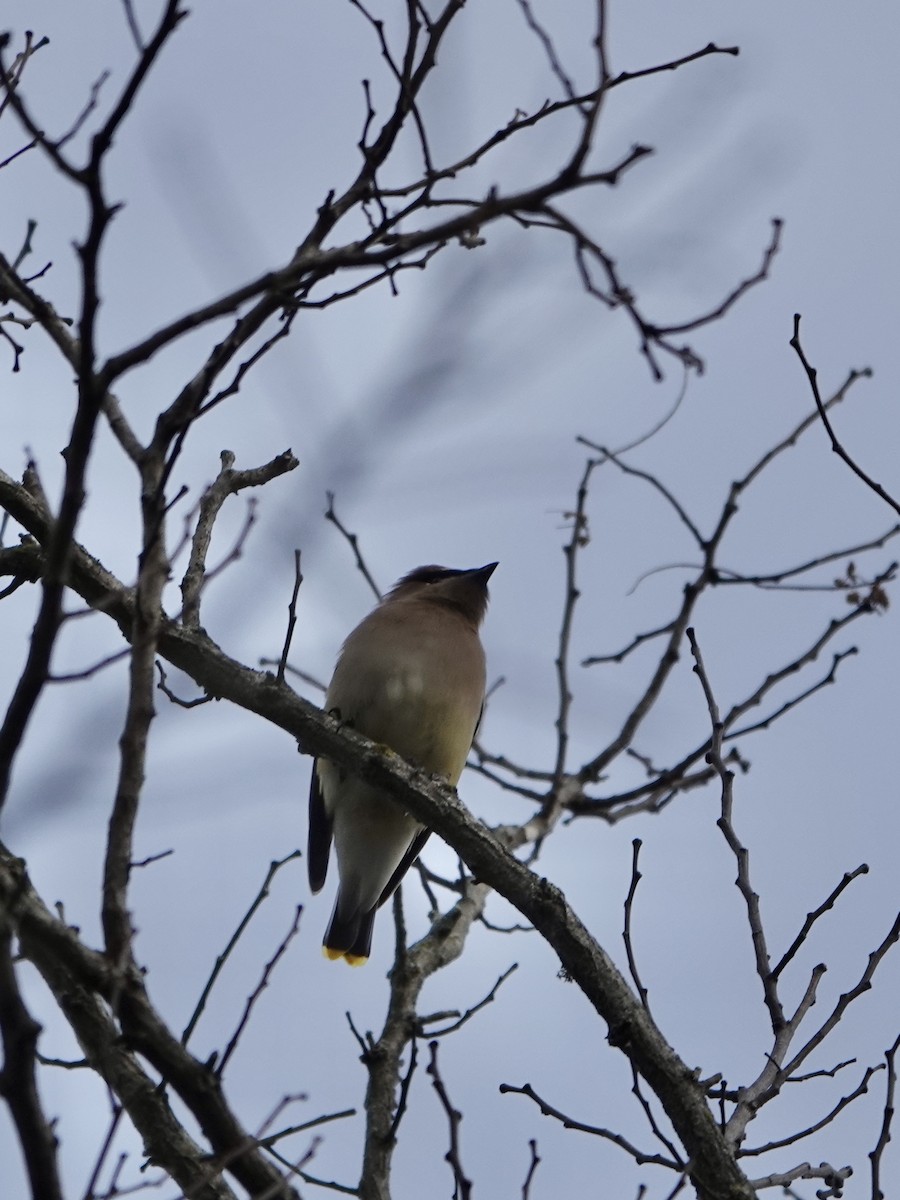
(319, 842)
(415, 849)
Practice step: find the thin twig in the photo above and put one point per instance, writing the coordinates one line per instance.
(532, 1167)
(405, 1084)
(580, 537)
(18, 1079)
(833, 1178)
(812, 376)
(221, 959)
(227, 483)
(476, 1008)
(608, 1135)
(353, 542)
(812, 917)
(626, 932)
(103, 1153)
(741, 854)
(780, 1143)
(292, 618)
(862, 985)
(258, 991)
(884, 1135)
(462, 1185)
(271, 1138)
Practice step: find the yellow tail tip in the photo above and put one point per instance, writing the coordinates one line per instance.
(354, 960)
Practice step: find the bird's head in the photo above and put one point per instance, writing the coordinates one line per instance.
(465, 590)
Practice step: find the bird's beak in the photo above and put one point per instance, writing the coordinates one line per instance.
(483, 573)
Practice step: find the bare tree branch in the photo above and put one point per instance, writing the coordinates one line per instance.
(18, 1082)
(462, 1185)
(877, 1154)
(548, 1110)
(822, 409)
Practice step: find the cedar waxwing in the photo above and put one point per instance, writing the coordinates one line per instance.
(411, 676)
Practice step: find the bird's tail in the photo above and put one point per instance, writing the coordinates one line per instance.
(349, 935)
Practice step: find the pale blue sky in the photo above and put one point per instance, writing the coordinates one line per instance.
(445, 418)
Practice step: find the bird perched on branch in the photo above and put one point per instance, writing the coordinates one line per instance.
(410, 676)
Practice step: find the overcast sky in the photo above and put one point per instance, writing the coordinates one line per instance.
(445, 419)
